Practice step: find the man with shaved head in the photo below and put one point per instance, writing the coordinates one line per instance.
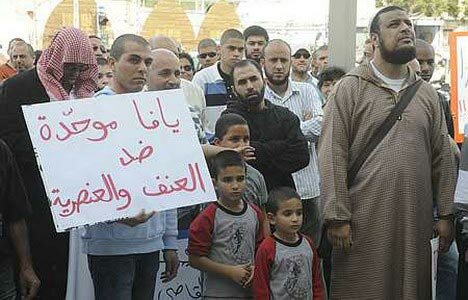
(207, 53)
(164, 42)
(164, 71)
(216, 81)
(193, 94)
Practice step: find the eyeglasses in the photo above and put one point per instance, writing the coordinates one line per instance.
(204, 55)
(301, 54)
(186, 68)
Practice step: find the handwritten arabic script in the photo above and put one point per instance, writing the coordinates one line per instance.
(107, 158)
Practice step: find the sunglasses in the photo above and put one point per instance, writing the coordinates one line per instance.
(186, 68)
(301, 54)
(204, 55)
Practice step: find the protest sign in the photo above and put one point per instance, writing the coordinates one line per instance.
(459, 81)
(108, 158)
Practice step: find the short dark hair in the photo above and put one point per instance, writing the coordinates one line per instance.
(101, 61)
(256, 30)
(244, 63)
(224, 159)
(187, 57)
(374, 25)
(225, 122)
(330, 74)
(206, 43)
(92, 36)
(118, 47)
(230, 34)
(279, 195)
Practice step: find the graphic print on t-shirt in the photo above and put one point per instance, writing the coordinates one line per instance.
(236, 247)
(297, 286)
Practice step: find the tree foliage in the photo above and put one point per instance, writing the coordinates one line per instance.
(430, 8)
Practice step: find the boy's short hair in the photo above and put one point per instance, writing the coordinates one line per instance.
(225, 122)
(224, 159)
(279, 195)
(330, 74)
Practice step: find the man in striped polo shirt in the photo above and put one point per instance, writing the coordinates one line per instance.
(216, 81)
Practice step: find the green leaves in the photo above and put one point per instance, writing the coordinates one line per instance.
(433, 8)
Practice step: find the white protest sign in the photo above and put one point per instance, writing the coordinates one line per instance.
(187, 284)
(107, 158)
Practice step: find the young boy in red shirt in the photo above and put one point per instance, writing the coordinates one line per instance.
(224, 237)
(286, 265)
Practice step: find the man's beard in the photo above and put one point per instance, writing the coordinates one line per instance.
(399, 56)
(426, 76)
(276, 81)
(250, 100)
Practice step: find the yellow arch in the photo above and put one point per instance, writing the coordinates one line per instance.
(169, 18)
(221, 16)
(62, 16)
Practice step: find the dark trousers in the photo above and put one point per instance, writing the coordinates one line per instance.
(7, 279)
(124, 277)
(462, 282)
(50, 259)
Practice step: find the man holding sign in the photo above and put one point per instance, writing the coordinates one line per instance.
(125, 263)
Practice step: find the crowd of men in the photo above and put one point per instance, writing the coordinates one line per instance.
(371, 198)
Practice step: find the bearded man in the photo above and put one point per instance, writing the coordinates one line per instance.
(275, 133)
(380, 220)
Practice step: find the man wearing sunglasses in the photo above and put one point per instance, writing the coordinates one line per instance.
(207, 53)
(301, 61)
(300, 66)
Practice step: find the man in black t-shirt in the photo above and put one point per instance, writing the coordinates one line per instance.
(14, 208)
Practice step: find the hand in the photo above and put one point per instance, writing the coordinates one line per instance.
(339, 235)
(141, 218)
(445, 230)
(29, 283)
(172, 265)
(248, 152)
(251, 269)
(240, 274)
(307, 115)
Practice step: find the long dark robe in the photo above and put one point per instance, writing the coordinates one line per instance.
(390, 203)
(49, 249)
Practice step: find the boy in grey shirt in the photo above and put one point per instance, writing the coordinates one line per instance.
(232, 131)
(286, 265)
(224, 237)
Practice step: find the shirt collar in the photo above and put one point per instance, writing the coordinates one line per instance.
(292, 90)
